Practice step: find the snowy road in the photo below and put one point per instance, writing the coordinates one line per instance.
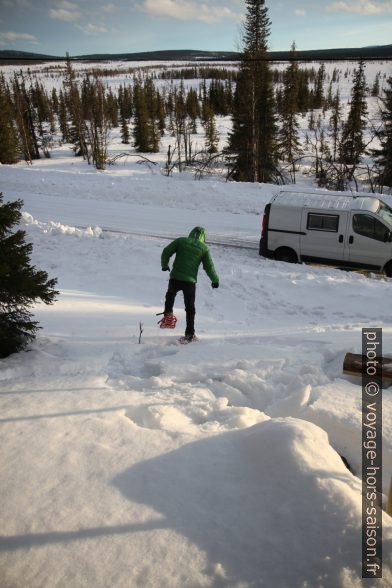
(139, 219)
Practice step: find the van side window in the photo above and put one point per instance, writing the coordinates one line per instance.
(368, 226)
(323, 222)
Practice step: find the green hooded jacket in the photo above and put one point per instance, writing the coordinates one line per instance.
(190, 253)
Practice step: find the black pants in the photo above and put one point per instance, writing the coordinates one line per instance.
(189, 291)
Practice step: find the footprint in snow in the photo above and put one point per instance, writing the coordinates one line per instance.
(162, 417)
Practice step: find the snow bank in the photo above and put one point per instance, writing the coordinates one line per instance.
(256, 503)
(56, 228)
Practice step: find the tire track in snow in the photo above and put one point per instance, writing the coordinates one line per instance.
(214, 240)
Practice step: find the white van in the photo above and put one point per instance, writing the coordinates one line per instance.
(328, 227)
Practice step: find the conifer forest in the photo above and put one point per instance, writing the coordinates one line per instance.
(253, 120)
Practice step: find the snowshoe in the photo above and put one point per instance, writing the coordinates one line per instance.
(187, 339)
(169, 321)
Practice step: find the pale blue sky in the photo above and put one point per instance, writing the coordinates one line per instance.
(121, 26)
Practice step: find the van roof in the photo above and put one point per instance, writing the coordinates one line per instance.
(325, 200)
(321, 192)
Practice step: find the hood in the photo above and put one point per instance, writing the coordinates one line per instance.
(199, 234)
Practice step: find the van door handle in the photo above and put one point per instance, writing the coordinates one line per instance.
(340, 238)
(351, 240)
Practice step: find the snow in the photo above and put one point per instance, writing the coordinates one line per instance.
(156, 464)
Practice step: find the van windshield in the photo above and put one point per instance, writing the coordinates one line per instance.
(385, 212)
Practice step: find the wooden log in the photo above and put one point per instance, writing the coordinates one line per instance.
(354, 363)
(389, 504)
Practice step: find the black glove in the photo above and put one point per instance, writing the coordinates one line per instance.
(215, 284)
(166, 269)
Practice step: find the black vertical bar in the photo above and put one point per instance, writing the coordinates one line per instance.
(371, 453)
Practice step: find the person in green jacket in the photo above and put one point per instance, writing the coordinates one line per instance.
(190, 252)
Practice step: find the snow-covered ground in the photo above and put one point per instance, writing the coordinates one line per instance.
(161, 465)
(154, 464)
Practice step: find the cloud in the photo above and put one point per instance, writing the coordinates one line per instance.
(364, 7)
(65, 11)
(91, 29)
(300, 12)
(188, 10)
(20, 3)
(108, 8)
(11, 37)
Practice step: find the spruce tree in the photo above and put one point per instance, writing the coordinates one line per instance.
(44, 115)
(252, 142)
(8, 135)
(63, 118)
(124, 129)
(318, 98)
(335, 124)
(169, 107)
(25, 117)
(154, 130)
(328, 102)
(180, 125)
(161, 113)
(21, 284)
(77, 127)
(289, 141)
(146, 133)
(123, 117)
(303, 91)
(96, 121)
(111, 109)
(376, 85)
(192, 107)
(353, 144)
(55, 101)
(384, 154)
(212, 137)
(229, 95)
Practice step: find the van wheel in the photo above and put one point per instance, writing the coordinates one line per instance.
(388, 269)
(286, 254)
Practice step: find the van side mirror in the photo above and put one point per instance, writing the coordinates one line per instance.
(388, 237)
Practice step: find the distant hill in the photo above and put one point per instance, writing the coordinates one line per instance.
(374, 52)
(377, 52)
(167, 55)
(24, 56)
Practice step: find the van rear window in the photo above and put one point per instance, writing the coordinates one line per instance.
(323, 222)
